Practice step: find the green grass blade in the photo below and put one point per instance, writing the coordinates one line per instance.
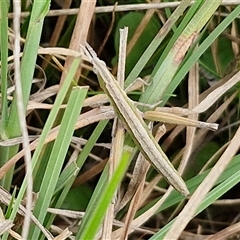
(5, 153)
(4, 63)
(100, 187)
(192, 59)
(169, 67)
(54, 112)
(156, 42)
(57, 156)
(39, 10)
(189, 15)
(99, 202)
(73, 168)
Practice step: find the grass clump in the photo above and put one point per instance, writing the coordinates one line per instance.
(85, 178)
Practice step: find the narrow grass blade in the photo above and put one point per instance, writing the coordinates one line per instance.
(71, 170)
(39, 11)
(193, 58)
(57, 156)
(156, 42)
(5, 153)
(177, 33)
(169, 67)
(101, 199)
(4, 67)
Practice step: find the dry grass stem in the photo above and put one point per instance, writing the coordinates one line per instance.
(193, 95)
(117, 138)
(216, 94)
(79, 35)
(122, 8)
(85, 119)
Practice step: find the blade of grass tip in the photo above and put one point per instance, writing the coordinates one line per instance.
(93, 217)
(211, 197)
(57, 156)
(174, 119)
(169, 67)
(156, 42)
(199, 51)
(11, 204)
(48, 125)
(39, 11)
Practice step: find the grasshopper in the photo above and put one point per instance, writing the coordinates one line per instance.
(133, 122)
